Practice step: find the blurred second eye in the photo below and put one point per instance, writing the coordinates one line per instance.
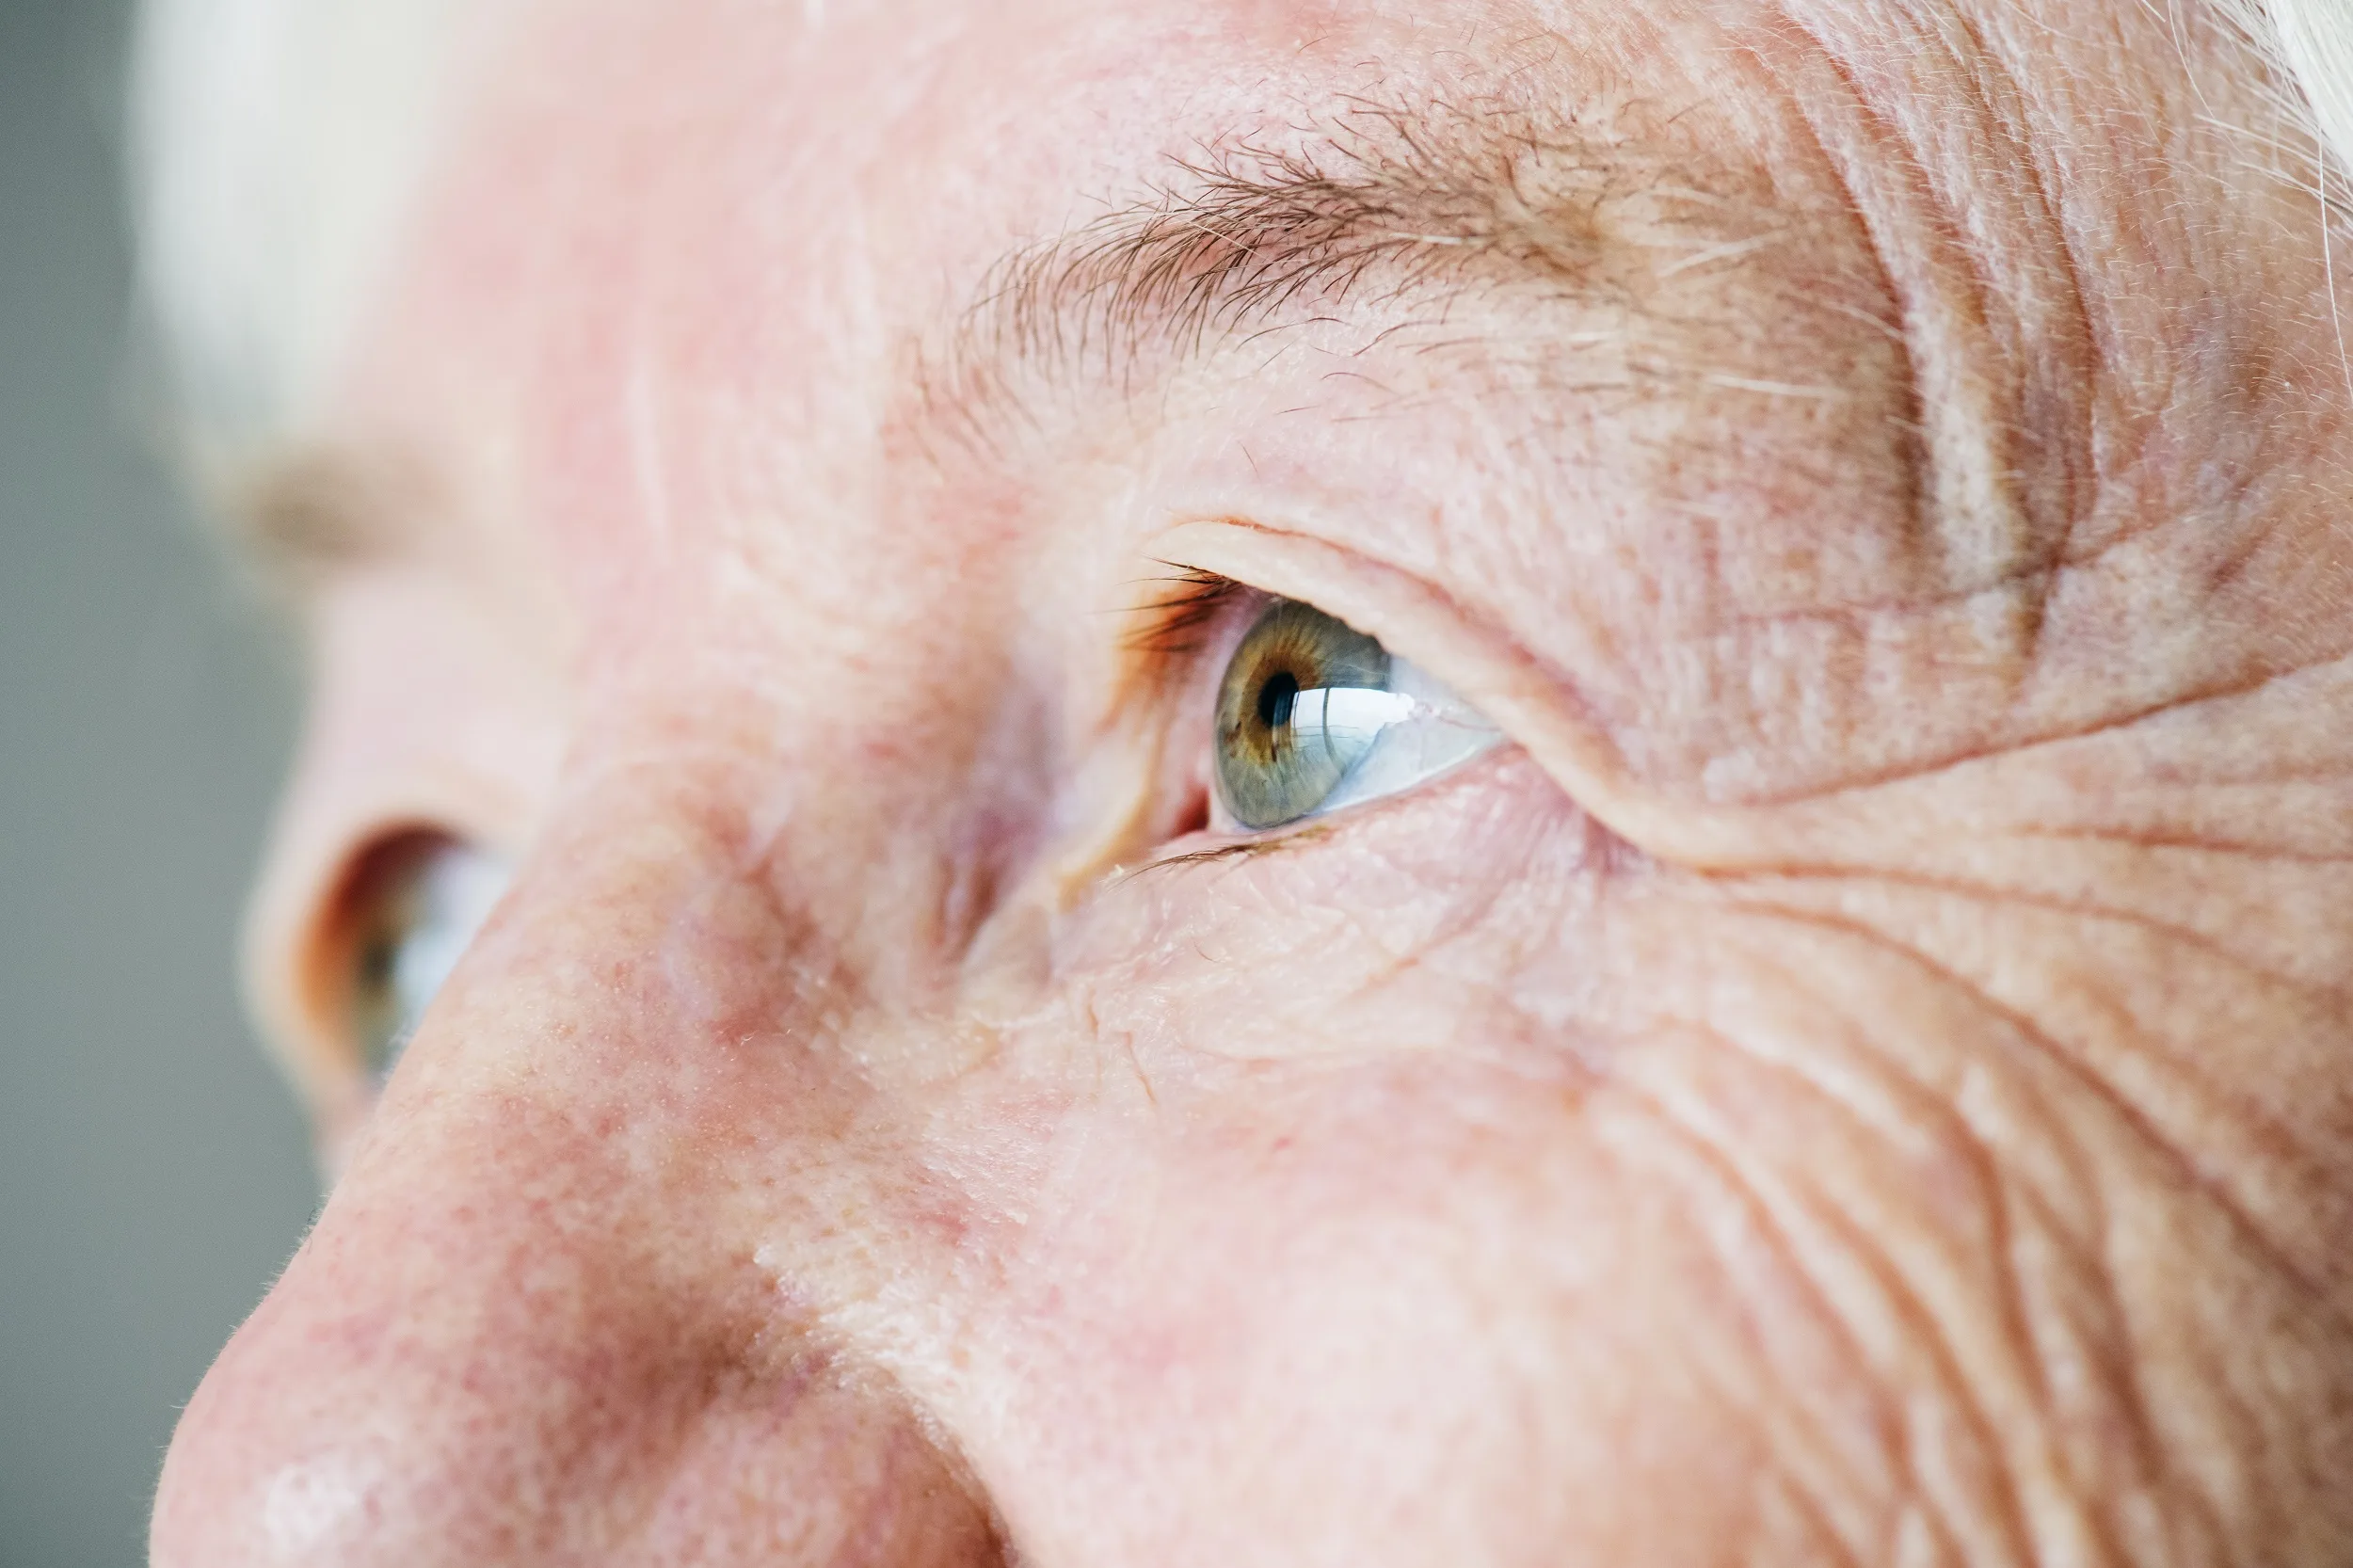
(416, 905)
(1313, 716)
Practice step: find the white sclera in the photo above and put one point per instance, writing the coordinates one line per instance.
(1414, 731)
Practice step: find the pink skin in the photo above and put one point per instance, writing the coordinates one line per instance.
(1859, 1077)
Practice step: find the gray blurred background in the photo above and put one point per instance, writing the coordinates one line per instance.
(152, 1176)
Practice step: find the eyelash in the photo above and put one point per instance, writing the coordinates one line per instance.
(1183, 644)
(1179, 638)
(1172, 640)
(1176, 625)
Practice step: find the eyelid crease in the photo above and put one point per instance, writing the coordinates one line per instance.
(1539, 707)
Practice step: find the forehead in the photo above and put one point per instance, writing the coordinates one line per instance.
(846, 166)
(895, 141)
(669, 219)
(690, 275)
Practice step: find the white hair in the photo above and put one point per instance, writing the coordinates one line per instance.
(2312, 41)
(277, 143)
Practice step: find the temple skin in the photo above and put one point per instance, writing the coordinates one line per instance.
(1861, 1076)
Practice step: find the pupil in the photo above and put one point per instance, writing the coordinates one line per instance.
(1275, 701)
(375, 963)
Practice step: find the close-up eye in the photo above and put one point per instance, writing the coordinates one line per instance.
(1314, 715)
(411, 909)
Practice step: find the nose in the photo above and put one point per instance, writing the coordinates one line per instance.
(557, 1311)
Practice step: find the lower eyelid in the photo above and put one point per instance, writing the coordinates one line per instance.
(1231, 848)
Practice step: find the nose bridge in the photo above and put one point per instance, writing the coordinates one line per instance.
(540, 1319)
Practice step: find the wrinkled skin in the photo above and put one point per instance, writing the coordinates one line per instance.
(1860, 1077)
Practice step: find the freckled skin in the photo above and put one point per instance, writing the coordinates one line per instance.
(1861, 1077)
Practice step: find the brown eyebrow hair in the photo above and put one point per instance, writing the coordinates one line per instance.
(1379, 204)
(1387, 203)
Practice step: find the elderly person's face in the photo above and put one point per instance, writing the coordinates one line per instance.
(1301, 783)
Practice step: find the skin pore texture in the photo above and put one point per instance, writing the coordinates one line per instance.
(1858, 1076)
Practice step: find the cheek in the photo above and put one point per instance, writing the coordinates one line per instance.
(1409, 1311)
(1462, 918)
(1310, 1221)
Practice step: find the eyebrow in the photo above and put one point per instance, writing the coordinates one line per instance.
(1395, 205)
(305, 514)
(1430, 204)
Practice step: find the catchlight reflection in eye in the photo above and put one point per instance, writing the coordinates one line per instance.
(1313, 716)
(423, 909)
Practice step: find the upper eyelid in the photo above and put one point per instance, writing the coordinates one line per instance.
(1532, 703)
(1201, 612)
(1413, 616)
(1535, 704)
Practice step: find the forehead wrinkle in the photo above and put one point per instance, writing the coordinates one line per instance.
(1389, 204)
